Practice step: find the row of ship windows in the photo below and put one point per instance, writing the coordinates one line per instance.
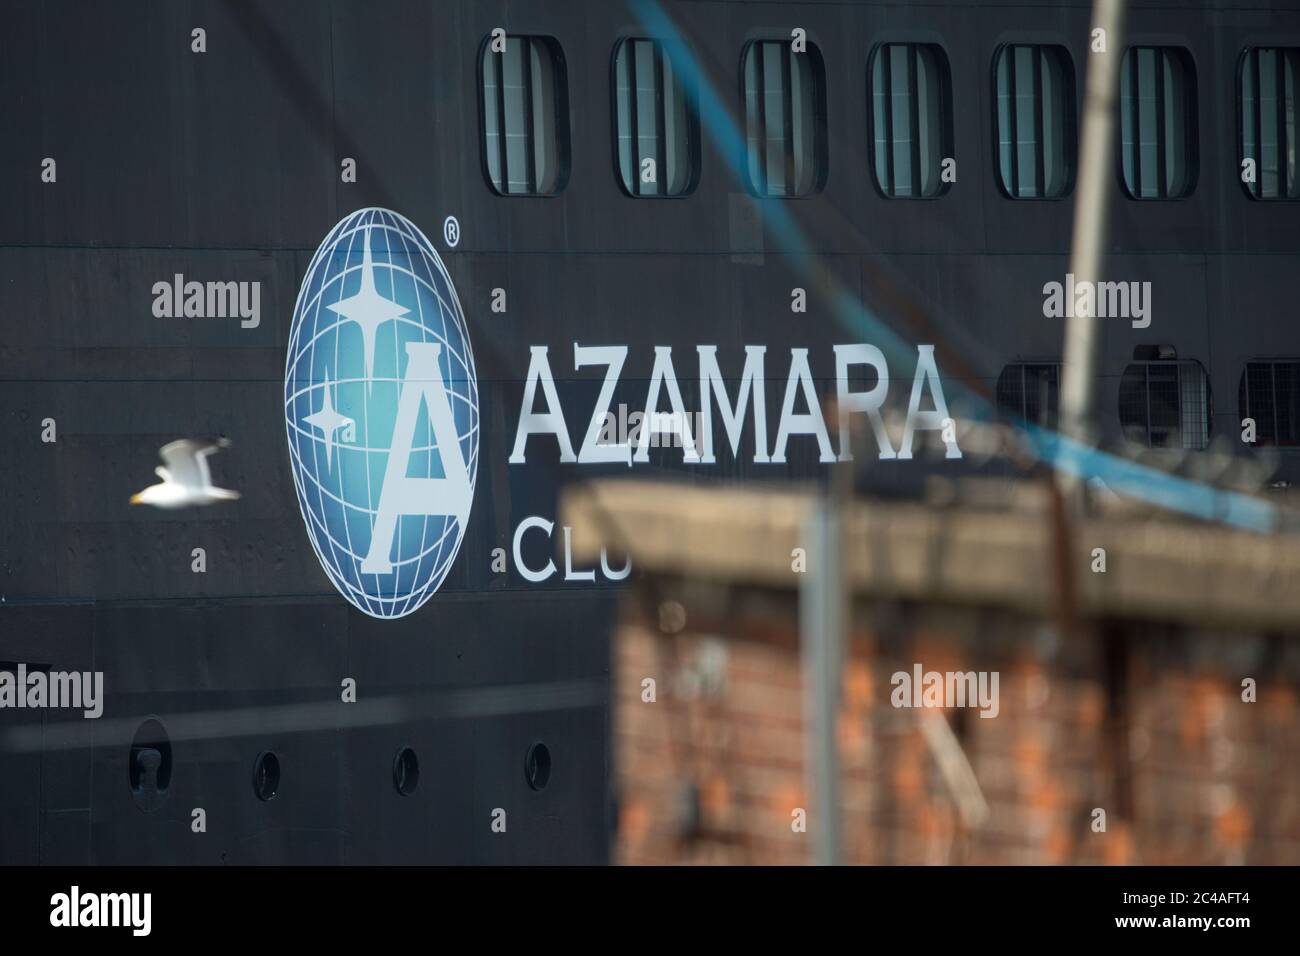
(1166, 403)
(910, 100)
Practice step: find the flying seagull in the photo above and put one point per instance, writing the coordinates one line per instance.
(185, 479)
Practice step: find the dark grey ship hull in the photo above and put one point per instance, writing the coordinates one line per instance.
(226, 166)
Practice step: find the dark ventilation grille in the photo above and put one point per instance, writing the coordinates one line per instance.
(911, 118)
(1270, 394)
(525, 117)
(785, 119)
(1158, 122)
(657, 129)
(1031, 392)
(1035, 121)
(1165, 404)
(1268, 108)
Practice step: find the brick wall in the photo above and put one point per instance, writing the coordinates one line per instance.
(1145, 722)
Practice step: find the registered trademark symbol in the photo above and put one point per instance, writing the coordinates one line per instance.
(451, 231)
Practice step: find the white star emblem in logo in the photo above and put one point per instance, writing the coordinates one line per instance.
(368, 309)
(328, 421)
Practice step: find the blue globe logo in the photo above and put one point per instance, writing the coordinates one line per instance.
(381, 412)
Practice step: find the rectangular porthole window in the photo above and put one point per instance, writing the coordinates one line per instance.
(1030, 392)
(1269, 394)
(525, 116)
(1035, 121)
(785, 118)
(1268, 120)
(657, 138)
(1165, 404)
(910, 92)
(1158, 122)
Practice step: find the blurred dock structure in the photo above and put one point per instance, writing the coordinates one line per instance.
(1124, 690)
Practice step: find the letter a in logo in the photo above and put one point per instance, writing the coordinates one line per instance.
(451, 495)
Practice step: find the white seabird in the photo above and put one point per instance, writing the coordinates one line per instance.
(185, 479)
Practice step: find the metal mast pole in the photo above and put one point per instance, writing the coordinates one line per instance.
(823, 620)
(1091, 206)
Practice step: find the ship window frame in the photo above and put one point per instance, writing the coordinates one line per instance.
(1128, 428)
(1021, 415)
(1062, 101)
(1244, 408)
(941, 127)
(1285, 120)
(685, 118)
(815, 113)
(1181, 79)
(554, 116)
